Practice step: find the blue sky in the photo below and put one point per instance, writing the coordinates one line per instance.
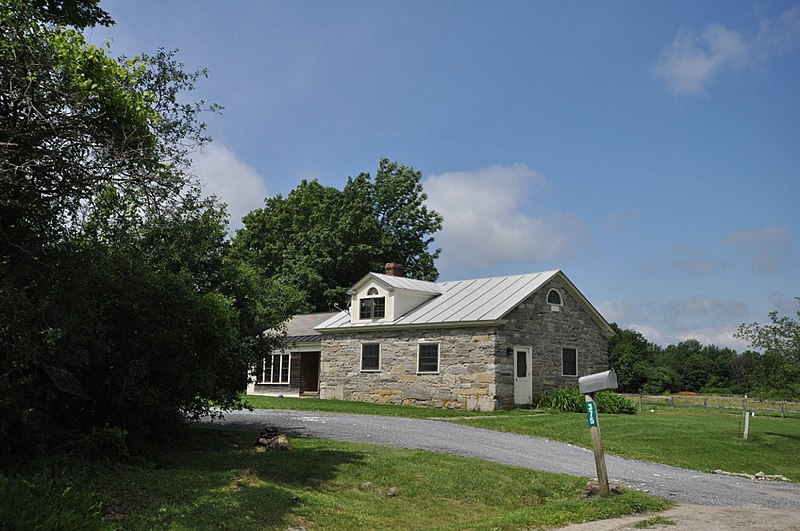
(651, 150)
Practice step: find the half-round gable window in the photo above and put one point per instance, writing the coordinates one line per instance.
(554, 298)
(372, 291)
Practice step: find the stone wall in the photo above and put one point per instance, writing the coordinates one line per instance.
(534, 324)
(466, 379)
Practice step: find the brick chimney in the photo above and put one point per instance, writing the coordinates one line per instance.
(394, 270)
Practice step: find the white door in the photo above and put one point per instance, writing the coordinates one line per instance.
(523, 380)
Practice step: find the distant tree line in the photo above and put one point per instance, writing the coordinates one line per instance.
(772, 372)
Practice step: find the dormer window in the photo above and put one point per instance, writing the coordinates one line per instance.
(372, 291)
(372, 307)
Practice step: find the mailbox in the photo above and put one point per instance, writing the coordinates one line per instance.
(599, 381)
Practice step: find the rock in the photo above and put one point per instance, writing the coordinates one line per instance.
(270, 439)
(391, 491)
(593, 489)
(279, 442)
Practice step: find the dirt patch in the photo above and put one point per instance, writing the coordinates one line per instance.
(704, 518)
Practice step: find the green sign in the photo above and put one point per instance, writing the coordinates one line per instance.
(591, 413)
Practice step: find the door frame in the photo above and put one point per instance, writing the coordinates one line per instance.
(523, 385)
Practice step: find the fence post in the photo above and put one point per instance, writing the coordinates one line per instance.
(641, 397)
(782, 407)
(705, 403)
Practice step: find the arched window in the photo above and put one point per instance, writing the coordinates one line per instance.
(554, 298)
(372, 291)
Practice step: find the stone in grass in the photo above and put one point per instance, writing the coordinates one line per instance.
(593, 489)
(391, 491)
(269, 439)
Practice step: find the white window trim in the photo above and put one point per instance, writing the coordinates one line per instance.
(561, 352)
(438, 356)
(372, 316)
(361, 366)
(262, 370)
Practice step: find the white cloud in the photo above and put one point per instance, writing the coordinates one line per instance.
(770, 245)
(691, 61)
(229, 178)
(488, 219)
(706, 319)
(721, 337)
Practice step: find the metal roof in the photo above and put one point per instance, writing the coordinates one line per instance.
(460, 301)
(394, 282)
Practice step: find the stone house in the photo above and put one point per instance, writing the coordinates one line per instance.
(479, 344)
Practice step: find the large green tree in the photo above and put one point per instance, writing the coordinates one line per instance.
(319, 240)
(777, 371)
(118, 302)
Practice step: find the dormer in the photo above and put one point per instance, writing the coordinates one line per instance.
(381, 298)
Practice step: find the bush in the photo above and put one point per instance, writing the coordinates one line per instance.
(41, 503)
(610, 402)
(571, 400)
(566, 400)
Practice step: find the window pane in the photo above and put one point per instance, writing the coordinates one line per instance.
(553, 297)
(284, 369)
(370, 357)
(569, 361)
(379, 307)
(428, 357)
(365, 308)
(522, 364)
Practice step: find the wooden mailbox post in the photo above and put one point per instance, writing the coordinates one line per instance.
(589, 385)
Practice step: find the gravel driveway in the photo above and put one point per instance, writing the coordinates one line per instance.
(686, 486)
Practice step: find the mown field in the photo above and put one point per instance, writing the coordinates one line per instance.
(688, 438)
(213, 479)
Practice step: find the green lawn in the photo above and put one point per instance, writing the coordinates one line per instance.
(213, 479)
(685, 438)
(364, 408)
(699, 441)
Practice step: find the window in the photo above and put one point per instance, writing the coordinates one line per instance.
(274, 369)
(370, 357)
(428, 358)
(522, 364)
(372, 291)
(569, 361)
(372, 308)
(554, 297)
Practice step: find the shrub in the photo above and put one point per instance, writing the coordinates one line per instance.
(41, 503)
(610, 402)
(571, 400)
(566, 400)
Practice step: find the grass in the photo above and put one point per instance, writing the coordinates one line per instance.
(652, 522)
(699, 441)
(364, 408)
(685, 438)
(212, 478)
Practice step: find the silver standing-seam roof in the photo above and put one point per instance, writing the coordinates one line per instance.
(393, 282)
(465, 302)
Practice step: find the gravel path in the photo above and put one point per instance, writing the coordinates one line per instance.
(681, 485)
